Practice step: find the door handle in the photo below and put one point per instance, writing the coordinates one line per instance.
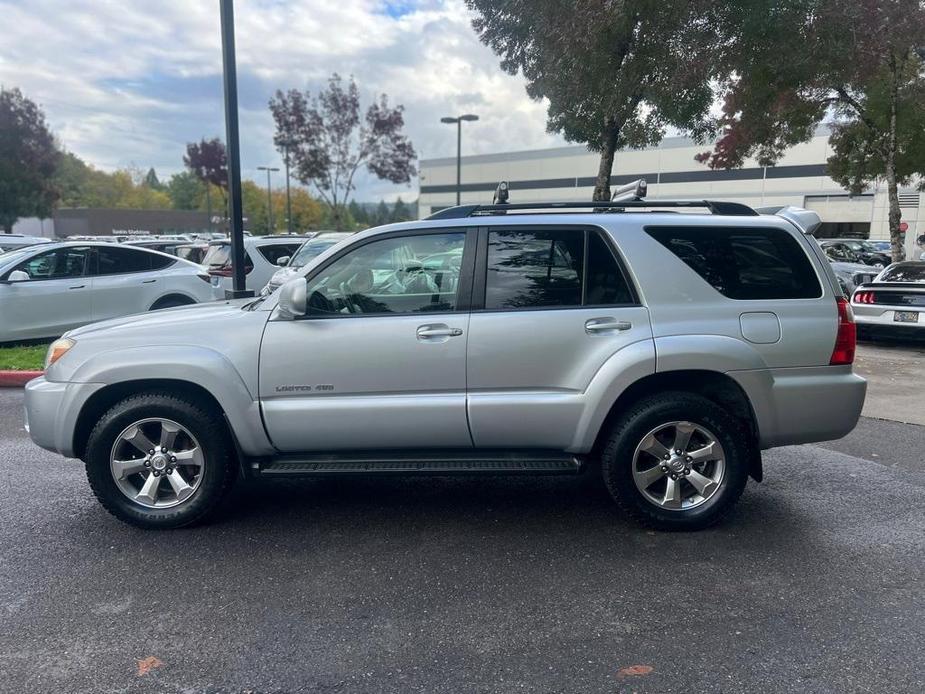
(603, 325)
(148, 281)
(427, 331)
(77, 286)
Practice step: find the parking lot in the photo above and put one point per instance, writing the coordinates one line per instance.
(814, 584)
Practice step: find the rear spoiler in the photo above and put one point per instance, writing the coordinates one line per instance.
(805, 220)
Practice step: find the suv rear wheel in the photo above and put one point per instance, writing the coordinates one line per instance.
(158, 460)
(676, 461)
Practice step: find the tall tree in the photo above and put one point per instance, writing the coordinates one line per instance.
(795, 63)
(186, 191)
(400, 211)
(616, 73)
(329, 142)
(152, 181)
(28, 159)
(208, 161)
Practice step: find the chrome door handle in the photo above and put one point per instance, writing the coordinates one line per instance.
(426, 331)
(601, 325)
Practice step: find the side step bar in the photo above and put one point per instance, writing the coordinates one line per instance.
(527, 462)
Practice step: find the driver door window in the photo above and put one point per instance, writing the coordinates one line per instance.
(409, 274)
(62, 263)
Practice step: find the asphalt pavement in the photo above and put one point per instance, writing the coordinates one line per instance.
(814, 584)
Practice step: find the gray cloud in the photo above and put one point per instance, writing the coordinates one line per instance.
(131, 82)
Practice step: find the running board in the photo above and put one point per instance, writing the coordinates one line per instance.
(527, 462)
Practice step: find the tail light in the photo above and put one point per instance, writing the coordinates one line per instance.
(847, 336)
(864, 298)
(205, 277)
(220, 270)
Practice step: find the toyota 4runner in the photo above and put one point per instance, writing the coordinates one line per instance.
(661, 346)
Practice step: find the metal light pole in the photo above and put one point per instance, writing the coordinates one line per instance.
(268, 169)
(288, 197)
(458, 120)
(233, 146)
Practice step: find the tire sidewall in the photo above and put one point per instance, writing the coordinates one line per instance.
(618, 459)
(199, 422)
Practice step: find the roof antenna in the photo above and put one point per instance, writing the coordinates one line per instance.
(501, 194)
(631, 192)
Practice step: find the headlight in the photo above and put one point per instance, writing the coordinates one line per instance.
(58, 349)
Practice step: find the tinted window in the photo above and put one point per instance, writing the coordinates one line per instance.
(58, 264)
(606, 284)
(159, 262)
(412, 274)
(904, 272)
(278, 250)
(117, 261)
(743, 263)
(534, 268)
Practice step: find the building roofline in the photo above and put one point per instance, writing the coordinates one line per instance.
(575, 150)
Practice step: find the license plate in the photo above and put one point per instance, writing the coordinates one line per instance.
(906, 316)
(216, 280)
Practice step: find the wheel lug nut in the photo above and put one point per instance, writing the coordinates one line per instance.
(664, 468)
(677, 451)
(151, 452)
(667, 457)
(156, 473)
(147, 463)
(163, 449)
(687, 471)
(173, 459)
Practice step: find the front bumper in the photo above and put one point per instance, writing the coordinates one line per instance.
(51, 409)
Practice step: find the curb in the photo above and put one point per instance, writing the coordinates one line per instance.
(17, 379)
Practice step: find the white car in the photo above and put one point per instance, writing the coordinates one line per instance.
(261, 255)
(49, 289)
(9, 242)
(308, 251)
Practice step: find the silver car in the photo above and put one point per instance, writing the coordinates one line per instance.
(50, 288)
(662, 351)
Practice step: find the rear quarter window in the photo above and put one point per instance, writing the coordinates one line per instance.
(744, 263)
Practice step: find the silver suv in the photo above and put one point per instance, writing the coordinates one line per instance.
(663, 350)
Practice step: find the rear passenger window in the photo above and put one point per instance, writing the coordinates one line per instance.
(117, 260)
(537, 269)
(744, 263)
(273, 252)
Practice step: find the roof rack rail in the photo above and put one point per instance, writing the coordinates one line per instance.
(715, 206)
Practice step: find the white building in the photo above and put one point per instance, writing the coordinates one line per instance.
(567, 173)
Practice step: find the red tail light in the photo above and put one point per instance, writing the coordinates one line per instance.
(865, 298)
(846, 339)
(220, 270)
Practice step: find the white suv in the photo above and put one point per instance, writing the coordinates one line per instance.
(261, 256)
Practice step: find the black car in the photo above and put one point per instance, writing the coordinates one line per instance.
(855, 251)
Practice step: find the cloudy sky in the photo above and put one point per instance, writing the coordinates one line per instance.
(130, 82)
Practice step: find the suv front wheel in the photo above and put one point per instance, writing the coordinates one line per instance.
(158, 460)
(676, 461)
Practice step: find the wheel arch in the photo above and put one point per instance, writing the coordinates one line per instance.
(171, 296)
(106, 397)
(717, 387)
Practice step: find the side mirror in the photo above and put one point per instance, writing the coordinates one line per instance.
(293, 299)
(18, 276)
(282, 261)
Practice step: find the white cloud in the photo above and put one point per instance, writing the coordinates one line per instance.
(128, 81)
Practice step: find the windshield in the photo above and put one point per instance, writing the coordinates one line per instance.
(218, 255)
(911, 272)
(313, 248)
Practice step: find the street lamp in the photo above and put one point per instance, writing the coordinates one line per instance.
(458, 120)
(268, 169)
(286, 146)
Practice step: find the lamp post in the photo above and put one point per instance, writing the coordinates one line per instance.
(288, 196)
(236, 223)
(268, 169)
(458, 120)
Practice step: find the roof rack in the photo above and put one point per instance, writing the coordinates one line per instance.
(714, 206)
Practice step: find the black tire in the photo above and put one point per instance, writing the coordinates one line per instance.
(628, 432)
(171, 302)
(209, 429)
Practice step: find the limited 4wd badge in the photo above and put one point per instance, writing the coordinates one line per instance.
(304, 389)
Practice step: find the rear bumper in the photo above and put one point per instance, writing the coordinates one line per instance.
(51, 410)
(803, 405)
(875, 315)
